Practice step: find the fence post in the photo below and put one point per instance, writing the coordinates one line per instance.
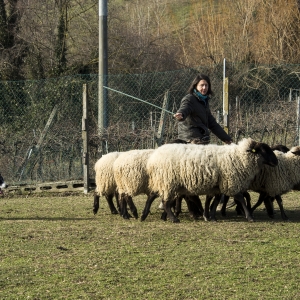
(85, 138)
(162, 119)
(298, 122)
(225, 105)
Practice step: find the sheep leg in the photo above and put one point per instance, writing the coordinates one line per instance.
(194, 206)
(151, 197)
(198, 202)
(248, 199)
(214, 207)
(164, 216)
(206, 214)
(239, 209)
(178, 203)
(264, 198)
(116, 194)
(109, 199)
(259, 202)
(123, 207)
(96, 203)
(279, 202)
(224, 204)
(170, 215)
(240, 198)
(269, 206)
(131, 205)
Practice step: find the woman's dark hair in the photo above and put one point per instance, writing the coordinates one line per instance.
(198, 78)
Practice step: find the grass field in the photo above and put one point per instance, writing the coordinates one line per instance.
(53, 247)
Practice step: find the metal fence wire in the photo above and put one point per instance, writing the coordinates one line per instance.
(41, 130)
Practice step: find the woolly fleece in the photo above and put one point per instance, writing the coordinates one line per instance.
(202, 169)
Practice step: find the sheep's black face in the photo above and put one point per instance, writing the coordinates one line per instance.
(266, 153)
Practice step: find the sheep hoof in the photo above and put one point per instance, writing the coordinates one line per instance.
(143, 218)
(176, 221)
(164, 216)
(205, 218)
(114, 212)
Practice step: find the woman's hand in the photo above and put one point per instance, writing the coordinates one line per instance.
(178, 116)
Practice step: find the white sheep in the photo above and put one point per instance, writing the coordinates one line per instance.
(106, 185)
(131, 177)
(274, 182)
(105, 181)
(176, 169)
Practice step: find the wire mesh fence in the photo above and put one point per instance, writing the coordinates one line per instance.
(41, 133)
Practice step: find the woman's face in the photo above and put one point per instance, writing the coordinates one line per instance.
(202, 87)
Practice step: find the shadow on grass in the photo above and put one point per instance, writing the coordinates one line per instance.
(262, 216)
(44, 219)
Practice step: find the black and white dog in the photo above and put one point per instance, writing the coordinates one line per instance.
(2, 185)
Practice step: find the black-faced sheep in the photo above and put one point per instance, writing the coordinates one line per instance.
(266, 199)
(263, 196)
(277, 181)
(175, 169)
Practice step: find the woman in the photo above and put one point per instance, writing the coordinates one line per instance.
(194, 116)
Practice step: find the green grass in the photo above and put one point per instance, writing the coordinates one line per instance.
(55, 248)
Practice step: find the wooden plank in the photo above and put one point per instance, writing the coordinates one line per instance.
(162, 119)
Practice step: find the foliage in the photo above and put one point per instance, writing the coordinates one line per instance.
(44, 39)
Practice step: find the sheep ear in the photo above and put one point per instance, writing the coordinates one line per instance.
(252, 147)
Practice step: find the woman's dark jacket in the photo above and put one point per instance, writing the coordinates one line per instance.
(198, 120)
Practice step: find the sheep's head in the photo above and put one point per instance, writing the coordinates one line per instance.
(264, 151)
(296, 150)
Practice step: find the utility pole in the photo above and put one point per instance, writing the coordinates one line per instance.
(103, 68)
(225, 100)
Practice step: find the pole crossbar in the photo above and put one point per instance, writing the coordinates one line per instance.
(139, 100)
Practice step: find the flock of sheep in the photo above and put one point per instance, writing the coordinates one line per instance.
(177, 171)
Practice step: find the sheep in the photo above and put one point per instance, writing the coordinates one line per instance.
(263, 197)
(280, 180)
(193, 201)
(189, 169)
(130, 175)
(106, 185)
(280, 177)
(105, 182)
(268, 201)
(132, 179)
